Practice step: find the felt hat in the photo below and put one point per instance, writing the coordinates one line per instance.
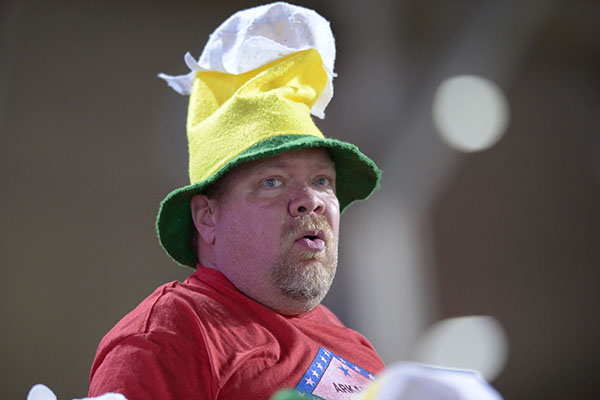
(260, 76)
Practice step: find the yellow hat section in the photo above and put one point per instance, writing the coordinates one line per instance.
(229, 113)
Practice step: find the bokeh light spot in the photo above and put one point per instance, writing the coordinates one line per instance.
(471, 342)
(470, 112)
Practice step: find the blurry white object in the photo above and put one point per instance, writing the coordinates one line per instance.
(257, 36)
(472, 342)
(470, 112)
(42, 392)
(407, 381)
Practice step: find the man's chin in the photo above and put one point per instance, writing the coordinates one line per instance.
(310, 281)
(305, 276)
(305, 293)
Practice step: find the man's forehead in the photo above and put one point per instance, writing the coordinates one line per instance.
(318, 158)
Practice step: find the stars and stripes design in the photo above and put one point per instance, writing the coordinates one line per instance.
(331, 377)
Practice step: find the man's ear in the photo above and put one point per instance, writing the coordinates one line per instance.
(204, 217)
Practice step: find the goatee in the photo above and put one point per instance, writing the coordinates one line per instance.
(304, 274)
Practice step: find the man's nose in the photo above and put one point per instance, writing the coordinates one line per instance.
(306, 201)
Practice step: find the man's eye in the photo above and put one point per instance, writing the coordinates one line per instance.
(272, 182)
(323, 181)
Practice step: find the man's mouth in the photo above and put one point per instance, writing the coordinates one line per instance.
(312, 240)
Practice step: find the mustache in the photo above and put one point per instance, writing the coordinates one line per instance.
(307, 223)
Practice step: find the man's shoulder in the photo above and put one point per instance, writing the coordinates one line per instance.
(161, 329)
(168, 310)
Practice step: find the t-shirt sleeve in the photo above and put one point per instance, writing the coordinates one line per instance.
(153, 366)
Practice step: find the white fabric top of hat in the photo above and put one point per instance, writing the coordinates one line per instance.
(257, 36)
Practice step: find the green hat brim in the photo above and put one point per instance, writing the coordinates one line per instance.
(357, 177)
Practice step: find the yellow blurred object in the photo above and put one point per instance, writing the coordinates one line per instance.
(371, 391)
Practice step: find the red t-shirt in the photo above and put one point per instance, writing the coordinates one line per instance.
(204, 339)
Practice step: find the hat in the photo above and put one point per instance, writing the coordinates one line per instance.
(260, 76)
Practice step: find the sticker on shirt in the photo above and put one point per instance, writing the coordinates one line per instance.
(331, 377)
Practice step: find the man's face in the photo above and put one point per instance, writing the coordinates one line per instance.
(276, 229)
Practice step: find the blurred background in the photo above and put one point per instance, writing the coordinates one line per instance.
(506, 227)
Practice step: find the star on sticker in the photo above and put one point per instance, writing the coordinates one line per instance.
(324, 359)
(320, 366)
(371, 376)
(309, 381)
(356, 369)
(326, 352)
(344, 370)
(315, 373)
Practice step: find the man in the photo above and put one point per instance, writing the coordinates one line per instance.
(259, 222)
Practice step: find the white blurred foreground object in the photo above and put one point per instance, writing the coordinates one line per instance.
(407, 381)
(471, 342)
(42, 392)
(470, 112)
